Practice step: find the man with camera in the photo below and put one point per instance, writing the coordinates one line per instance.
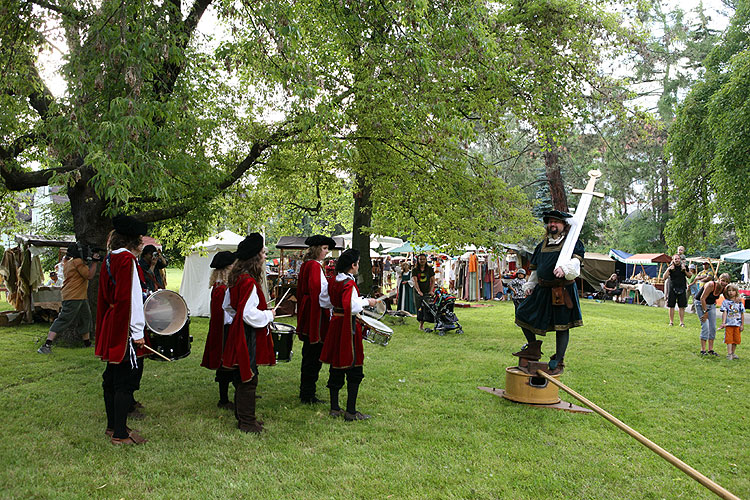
(152, 262)
(677, 273)
(75, 310)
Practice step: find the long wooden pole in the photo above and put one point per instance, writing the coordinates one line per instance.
(711, 485)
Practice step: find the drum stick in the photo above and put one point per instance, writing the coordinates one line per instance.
(283, 316)
(282, 299)
(388, 296)
(157, 353)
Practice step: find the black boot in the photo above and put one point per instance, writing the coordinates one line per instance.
(244, 405)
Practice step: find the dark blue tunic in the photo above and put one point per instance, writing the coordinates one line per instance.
(536, 313)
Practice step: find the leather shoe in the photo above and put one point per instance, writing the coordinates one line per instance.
(351, 417)
(336, 413)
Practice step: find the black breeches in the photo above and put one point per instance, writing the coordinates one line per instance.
(118, 383)
(310, 369)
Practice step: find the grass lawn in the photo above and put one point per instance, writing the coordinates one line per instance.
(433, 435)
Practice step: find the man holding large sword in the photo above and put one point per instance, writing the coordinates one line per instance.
(552, 301)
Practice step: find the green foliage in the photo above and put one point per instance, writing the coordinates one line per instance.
(709, 144)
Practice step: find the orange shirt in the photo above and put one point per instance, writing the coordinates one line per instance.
(76, 283)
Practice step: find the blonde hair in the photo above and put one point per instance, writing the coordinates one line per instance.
(219, 276)
(405, 266)
(312, 253)
(735, 288)
(726, 277)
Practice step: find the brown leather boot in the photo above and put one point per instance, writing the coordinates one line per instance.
(532, 351)
(245, 407)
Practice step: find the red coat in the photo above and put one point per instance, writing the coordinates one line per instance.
(312, 320)
(236, 351)
(215, 338)
(342, 347)
(113, 308)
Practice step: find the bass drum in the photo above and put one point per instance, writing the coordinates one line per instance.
(167, 318)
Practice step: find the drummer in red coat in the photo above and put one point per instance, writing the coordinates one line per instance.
(313, 315)
(342, 348)
(218, 326)
(119, 325)
(249, 342)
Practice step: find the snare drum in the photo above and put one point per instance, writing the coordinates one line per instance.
(375, 312)
(374, 331)
(283, 338)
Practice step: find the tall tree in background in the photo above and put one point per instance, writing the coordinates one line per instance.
(709, 144)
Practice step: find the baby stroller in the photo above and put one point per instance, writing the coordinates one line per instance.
(440, 312)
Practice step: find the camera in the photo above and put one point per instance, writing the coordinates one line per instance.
(91, 253)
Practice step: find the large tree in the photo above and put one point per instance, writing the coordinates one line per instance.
(381, 98)
(709, 144)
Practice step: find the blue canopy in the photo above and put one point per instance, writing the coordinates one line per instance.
(619, 255)
(630, 269)
(409, 248)
(738, 257)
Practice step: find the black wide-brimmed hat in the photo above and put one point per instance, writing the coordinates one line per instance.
(250, 246)
(319, 239)
(555, 214)
(222, 259)
(347, 259)
(129, 226)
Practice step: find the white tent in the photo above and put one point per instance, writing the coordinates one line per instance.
(194, 287)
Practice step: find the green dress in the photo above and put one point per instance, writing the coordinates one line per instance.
(406, 294)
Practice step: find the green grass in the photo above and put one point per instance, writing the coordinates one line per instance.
(434, 434)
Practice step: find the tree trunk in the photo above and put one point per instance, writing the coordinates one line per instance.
(91, 227)
(554, 177)
(360, 240)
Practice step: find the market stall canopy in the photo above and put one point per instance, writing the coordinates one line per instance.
(298, 242)
(33, 240)
(197, 271)
(701, 260)
(597, 268)
(409, 248)
(647, 259)
(619, 255)
(381, 244)
(738, 257)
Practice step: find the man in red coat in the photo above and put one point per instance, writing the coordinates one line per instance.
(313, 314)
(343, 348)
(119, 325)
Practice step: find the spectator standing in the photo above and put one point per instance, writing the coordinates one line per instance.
(516, 287)
(152, 262)
(75, 310)
(423, 278)
(732, 319)
(406, 290)
(677, 273)
(706, 311)
(693, 283)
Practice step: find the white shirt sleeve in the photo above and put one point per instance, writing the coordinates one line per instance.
(572, 269)
(229, 311)
(254, 316)
(358, 304)
(531, 283)
(137, 320)
(324, 299)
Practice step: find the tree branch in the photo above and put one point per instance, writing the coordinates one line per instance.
(18, 180)
(70, 12)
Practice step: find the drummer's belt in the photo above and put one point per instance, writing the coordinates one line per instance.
(338, 311)
(560, 295)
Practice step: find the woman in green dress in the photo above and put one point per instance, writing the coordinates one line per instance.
(405, 290)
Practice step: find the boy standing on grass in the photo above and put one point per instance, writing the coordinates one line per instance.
(732, 319)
